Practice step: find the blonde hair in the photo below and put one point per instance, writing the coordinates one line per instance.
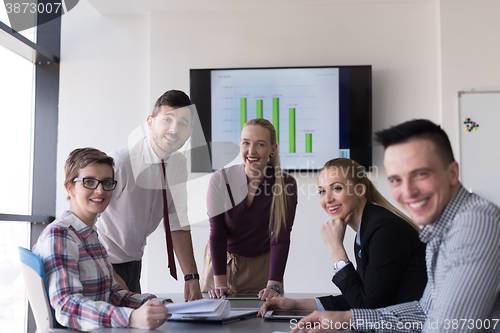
(356, 173)
(277, 218)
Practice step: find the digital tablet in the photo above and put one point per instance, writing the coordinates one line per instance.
(233, 316)
(243, 297)
(286, 315)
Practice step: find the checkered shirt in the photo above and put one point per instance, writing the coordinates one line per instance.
(82, 290)
(463, 270)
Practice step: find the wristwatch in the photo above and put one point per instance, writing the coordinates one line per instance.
(275, 287)
(341, 263)
(188, 277)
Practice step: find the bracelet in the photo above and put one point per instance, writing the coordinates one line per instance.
(188, 277)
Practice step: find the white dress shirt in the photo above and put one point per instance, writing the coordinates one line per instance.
(136, 208)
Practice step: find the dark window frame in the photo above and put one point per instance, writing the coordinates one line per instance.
(46, 59)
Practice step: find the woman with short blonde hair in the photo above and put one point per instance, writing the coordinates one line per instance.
(81, 287)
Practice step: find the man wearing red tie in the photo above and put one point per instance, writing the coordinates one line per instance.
(151, 176)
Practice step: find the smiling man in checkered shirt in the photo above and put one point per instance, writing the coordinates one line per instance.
(462, 233)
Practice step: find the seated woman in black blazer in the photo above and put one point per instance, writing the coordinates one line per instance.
(390, 258)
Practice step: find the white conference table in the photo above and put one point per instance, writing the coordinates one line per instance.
(242, 326)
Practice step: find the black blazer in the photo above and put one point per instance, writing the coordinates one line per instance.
(390, 265)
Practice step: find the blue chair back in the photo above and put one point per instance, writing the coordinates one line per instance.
(37, 290)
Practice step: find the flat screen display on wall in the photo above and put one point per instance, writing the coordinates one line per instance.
(319, 113)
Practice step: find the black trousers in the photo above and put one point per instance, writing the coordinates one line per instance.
(130, 272)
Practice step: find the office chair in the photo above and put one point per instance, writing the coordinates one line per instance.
(36, 290)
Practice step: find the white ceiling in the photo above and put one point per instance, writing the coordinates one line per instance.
(122, 7)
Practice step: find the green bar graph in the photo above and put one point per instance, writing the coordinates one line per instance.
(309, 143)
(276, 117)
(292, 130)
(243, 110)
(260, 111)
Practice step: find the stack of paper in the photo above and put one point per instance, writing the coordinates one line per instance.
(203, 308)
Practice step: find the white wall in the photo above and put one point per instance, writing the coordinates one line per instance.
(104, 82)
(400, 41)
(113, 69)
(470, 53)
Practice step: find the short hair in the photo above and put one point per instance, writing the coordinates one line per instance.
(82, 157)
(418, 129)
(174, 99)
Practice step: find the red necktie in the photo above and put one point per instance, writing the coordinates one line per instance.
(166, 224)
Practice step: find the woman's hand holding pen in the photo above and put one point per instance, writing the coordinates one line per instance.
(150, 315)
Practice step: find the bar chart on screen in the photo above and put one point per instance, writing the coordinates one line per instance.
(303, 106)
(286, 126)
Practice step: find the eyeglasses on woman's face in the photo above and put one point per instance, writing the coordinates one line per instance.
(92, 183)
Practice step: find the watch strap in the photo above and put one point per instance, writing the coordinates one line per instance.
(188, 277)
(275, 287)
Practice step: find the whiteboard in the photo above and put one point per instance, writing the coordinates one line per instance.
(479, 147)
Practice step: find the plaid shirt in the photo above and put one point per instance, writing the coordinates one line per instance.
(463, 270)
(82, 290)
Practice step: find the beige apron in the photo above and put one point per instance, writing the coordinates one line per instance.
(244, 275)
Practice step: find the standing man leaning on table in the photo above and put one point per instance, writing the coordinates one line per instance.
(137, 207)
(462, 233)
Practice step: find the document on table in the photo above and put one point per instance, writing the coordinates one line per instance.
(213, 308)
